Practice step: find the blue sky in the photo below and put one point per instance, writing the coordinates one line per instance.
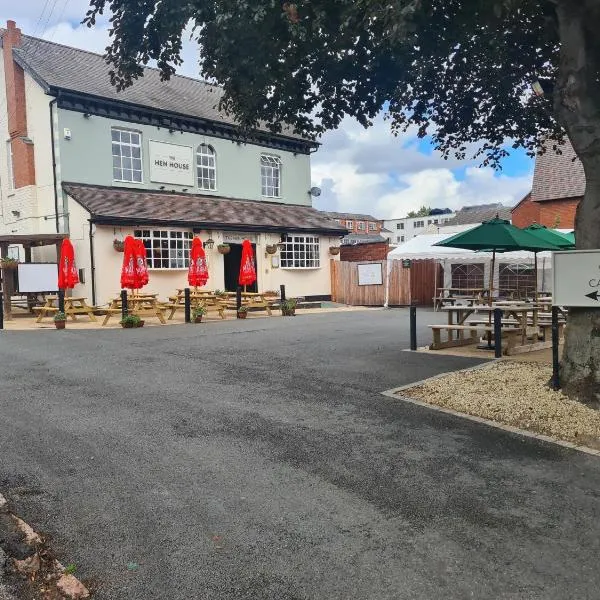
(359, 170)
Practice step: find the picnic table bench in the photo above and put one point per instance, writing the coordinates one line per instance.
(73, 306)
(141, 305)
(250, 300)
(210, 302)
(509, 333)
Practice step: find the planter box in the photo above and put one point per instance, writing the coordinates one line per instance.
(60, 324)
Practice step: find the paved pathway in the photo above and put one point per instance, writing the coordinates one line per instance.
(256, 460)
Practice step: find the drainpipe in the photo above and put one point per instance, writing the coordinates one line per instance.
(92, 263)
(51, 105)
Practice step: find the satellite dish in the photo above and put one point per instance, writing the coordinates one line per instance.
(315, 191)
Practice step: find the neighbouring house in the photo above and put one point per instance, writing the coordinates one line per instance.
(157, 161)
(405, 228)
(558, 187)
(479, 213)
(357, 223)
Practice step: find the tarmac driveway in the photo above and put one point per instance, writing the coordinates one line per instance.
(257, 460)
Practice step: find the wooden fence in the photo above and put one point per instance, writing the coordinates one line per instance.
(407, 285)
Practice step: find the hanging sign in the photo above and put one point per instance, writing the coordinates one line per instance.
(170, 163)
(576, 278)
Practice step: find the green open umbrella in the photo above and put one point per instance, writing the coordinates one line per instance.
(497, 235)
(551, 235)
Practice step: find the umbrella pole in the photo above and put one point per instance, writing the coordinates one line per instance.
(490, 297)
(535, 296)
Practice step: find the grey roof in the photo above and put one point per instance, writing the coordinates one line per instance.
(480, 213)
(350, 216)
(112, 205)
(558, 175)
(362, 238)
(62, 67)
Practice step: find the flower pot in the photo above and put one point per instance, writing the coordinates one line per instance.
(242, 315)
(334, 250)
(288, 312)
(119, 245)
(60, 324)
(128, 325)
(9, 266)
(271, 248)
(224, 249)
(198, 319)
(140, 324)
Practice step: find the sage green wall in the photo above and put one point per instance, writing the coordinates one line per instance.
(87, 158)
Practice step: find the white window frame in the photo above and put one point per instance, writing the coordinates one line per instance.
(124, 144)
(10, 165)
(270, 172)
(372, 226)
(349, 224)
(300, 252)
(210, 167)
(167, 245)
(361, 225)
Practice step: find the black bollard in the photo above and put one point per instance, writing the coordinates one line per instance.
(124, 311)
(555, 364)
(413, 328)
(497, 333)
(282, 292)
(187, 305)
(61, 301)
(1, 310)
(238, 298)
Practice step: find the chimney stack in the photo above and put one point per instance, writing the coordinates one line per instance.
(16, 108)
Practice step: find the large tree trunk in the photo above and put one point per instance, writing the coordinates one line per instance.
(577, 107)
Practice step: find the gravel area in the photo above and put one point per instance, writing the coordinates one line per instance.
(515, 394)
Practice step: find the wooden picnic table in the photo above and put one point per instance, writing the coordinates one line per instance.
(209, 301)
(141, 305)
(73, 306)
(514, 323)
(250, 300)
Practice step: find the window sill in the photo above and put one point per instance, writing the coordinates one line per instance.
(169, 270)
(271, 197)
(125, 181)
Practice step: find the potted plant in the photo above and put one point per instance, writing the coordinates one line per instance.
(224, 248)
(288, 307)
(60, 320)
(220, 293)
(271, 248)
(9, 263)
(131, 321)
(242, 312)
(118, 245)
(197, 313)
(334, 250)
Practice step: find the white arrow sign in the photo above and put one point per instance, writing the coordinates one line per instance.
(576, 278)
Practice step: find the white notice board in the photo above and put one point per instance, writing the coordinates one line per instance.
(576, 278)
(370, 274)
(38, 277)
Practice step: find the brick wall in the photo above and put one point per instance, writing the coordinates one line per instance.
(559, 213)
(360, 252)
(22, 153)
(526, 212)
(551, 213)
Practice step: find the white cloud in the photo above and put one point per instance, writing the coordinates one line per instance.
(373, 171)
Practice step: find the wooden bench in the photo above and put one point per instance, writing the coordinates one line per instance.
(43, 311)
(508, 333)
(175, 306)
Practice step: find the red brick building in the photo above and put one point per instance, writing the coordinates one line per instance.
(558, 186)
(365, 251)
(355, 223)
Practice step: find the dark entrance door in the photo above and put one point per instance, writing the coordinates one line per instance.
(233, 260)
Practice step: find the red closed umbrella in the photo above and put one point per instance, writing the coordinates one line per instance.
(248, 265)
(198, 270)
(141, 265)
(68, 277)
(128, 269)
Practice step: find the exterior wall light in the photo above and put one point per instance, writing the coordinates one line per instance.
(209, 243)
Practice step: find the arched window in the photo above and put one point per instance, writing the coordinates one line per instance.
(270, 171)
(206, 167)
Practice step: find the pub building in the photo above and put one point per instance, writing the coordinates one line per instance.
(157, 161)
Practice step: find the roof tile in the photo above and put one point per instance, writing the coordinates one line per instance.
(112, 205)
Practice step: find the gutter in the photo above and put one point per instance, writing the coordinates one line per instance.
(197, 226)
